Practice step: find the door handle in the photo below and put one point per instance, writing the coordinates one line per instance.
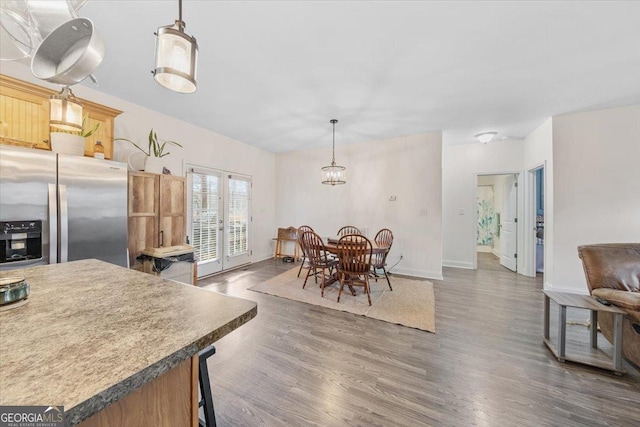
(53, 224)
(161, 243)
(64, 225)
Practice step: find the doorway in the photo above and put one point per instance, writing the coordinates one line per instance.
(496, 226)
(538, 206)
(219, 212)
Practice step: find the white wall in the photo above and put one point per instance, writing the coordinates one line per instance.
(201, 147)
(408, 168)
(538, 151)
(596, 167)
(460, 166)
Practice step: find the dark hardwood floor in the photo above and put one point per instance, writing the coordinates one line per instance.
(296, 364)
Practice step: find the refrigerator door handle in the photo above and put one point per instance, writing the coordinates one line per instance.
(64, 225)
(53, 225)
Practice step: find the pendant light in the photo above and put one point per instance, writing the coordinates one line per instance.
(334, 174)
(176, 57)
(65, 111)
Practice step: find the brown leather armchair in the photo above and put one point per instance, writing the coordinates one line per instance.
(613, 274)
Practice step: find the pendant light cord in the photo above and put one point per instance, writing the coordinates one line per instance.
(333, 159)
(180, 10)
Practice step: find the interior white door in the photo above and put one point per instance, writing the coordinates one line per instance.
(237, 201)
(508, 231)
(206, 218)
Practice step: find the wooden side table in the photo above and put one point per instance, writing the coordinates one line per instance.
(587, 302)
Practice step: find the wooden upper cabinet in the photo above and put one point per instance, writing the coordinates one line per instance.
(24, 114)
(24, 117)
(157, 213)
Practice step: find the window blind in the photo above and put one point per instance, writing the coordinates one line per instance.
(205, 201)
(239, 198)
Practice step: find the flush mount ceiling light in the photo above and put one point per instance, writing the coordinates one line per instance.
(334, 174)
(176, 57)
(65, 111)
(485, 137)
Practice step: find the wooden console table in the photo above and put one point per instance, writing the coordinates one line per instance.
(587, 302)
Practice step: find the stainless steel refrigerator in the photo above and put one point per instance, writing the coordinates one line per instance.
(56, 208)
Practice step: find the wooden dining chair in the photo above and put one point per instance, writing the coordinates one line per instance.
(379, 261)
(348, 229)
(319, 262)
(354, 262)
(301, 230)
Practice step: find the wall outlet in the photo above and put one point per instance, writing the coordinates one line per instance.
(423, 212)
(392, 198)
(460, 211)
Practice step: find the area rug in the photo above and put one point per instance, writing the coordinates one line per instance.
(411, 303)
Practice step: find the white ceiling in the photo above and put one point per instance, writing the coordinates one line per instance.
(272, 74)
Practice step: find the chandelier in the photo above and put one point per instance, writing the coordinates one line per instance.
(334, 174)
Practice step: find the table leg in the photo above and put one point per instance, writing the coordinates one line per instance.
(546, 317)
(562, 331)
(617, 342)
(594, 329)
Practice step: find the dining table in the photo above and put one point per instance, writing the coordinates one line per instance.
(331, 245)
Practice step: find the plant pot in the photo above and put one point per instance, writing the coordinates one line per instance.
(67, 143)
(153, 164)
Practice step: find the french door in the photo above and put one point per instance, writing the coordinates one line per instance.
(237, 197)
(219, 219)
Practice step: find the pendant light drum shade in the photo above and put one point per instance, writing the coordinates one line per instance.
(334, 174)
(176, 57)
(65, 111)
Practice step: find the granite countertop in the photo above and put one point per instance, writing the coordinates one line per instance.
(93, 332)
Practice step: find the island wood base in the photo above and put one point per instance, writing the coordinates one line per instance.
(169, 400)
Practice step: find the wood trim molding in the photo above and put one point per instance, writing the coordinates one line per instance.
(32, 89)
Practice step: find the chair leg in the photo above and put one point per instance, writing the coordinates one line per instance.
(387, 276)
(300, 270)
(341, 286)
(366, 288)
(324, 281)
(205, 388)
(305, 279)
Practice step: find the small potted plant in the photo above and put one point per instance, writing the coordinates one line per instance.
(72, 142)
(154, 152)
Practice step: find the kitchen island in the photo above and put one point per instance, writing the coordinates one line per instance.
(113, 346)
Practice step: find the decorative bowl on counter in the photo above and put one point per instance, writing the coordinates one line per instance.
(13, 290)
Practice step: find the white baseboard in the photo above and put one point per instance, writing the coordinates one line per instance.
(258, 258)
(422, 274)
(483, 248)
(457, 264)
(570, 290)
(496, 253)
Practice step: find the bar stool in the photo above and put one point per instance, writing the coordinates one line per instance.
(205, 388)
